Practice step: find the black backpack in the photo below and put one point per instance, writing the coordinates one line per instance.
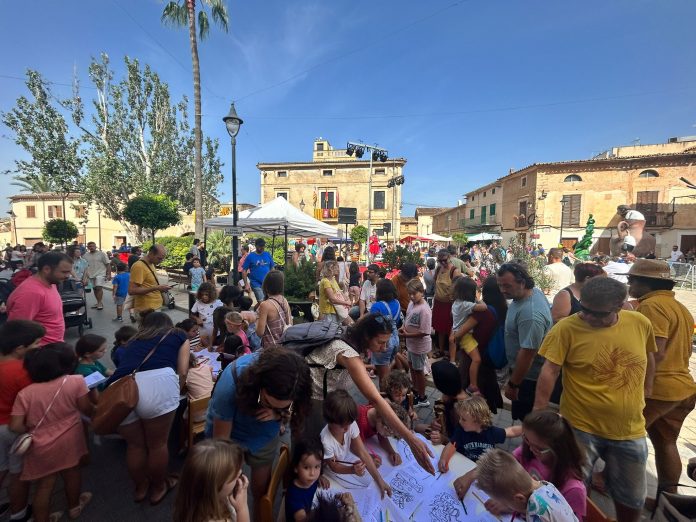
(6, 288)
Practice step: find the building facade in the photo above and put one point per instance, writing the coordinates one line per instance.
(424, 217)
(450, 220)
(409, 227)
(334, 179)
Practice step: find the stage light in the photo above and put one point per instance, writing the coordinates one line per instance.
(359, 151)
(350, 149)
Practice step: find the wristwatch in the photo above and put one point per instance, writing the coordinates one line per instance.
(512, 385)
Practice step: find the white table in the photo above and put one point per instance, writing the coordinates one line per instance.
(205, 356)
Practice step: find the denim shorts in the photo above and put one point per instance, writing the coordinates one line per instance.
(383, 358)
(417, 361)
(13, 463)
(625, 466)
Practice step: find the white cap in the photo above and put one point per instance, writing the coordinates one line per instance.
(634, 214)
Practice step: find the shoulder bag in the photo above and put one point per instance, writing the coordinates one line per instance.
(23, 442)
(166, 296)
(119, 399)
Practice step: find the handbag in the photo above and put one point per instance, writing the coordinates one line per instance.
(118, 400)
(23, 442)
(674, 507)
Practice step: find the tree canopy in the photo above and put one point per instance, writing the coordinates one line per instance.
(59, 231)
(152, 212)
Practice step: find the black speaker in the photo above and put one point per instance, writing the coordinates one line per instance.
(347, 215)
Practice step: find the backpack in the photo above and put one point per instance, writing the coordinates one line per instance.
(6, 288)
(393, 343)
(495, 352)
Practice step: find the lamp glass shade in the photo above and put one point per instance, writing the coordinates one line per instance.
(232, 122)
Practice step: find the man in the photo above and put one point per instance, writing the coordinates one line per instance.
(676, 255)
(256, 266)
(527, 322)
(559, 272)
(144, 286)
(368, 291)
(36, 252)
(98, 272)
(674, 391)
(607, 358)
(194, 248)
(617, 268)
(37, 298)
(458, 263)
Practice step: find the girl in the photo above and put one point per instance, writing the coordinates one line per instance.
(212, 486)
(203, 309)
(199, 381)
(550, 452)
(250, 317)
(464, 293)
(197, 274)
(333, 305)
(50, 409)
(192, 332)
(121, 338)
(307, 458)
(89, 349)
(388, 305)
(354, 282)
(236, 342)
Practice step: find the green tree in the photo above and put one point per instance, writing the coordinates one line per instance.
(460, 238)
(400, 255)
(152, 213)
(183, 14)
(54, 161)
(59, 231)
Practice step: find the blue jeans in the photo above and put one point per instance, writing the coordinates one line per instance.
(258, 292)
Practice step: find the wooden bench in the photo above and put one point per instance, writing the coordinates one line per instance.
(177, 276)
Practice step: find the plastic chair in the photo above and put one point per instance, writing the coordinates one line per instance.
(195, 408)
(266, 503)
(594, 514)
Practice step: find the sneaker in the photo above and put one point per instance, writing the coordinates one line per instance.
(421, 402)
(119, 318)
(27, 515)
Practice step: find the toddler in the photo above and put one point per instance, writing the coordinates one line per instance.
(341, 440)
(475, 433)
(464, 293)
(203, 309)
(121, 338)
(307, 459)
(371, 423)
(197, 274)
(212, 486)
(416, 330)
(119, 289)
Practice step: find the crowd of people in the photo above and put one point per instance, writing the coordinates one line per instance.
(613, 354)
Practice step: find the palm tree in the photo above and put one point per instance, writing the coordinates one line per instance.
(34, 183)
(183, 14)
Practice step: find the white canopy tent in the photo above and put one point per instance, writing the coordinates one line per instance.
(438, 237)
(484, 236)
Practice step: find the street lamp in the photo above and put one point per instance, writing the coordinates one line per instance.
(233, 122)
(99, 211)
(302, 205)
(14, 224)
(563, 204)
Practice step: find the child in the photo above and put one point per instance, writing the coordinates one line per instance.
(199, 382)
(58, 442)
(464, 293)
(192, 330)
(245, 304)
(505, 480)
(341, 437)
(475, 433)
(120, 289)
(197, 274)
(307, 458)
(17, 339)
(416, 331)
(370, 422)
(212, 486)
(396, 387)
(121, 338)
(89, 349)
(549, 451)
(203, 309)
(235, 325)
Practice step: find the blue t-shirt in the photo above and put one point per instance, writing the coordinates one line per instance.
(166, 355)
(258, 265)
(246, 430)
(122, 280)
(297, 498)
(197, 275)
(394, 307)
(472, 445)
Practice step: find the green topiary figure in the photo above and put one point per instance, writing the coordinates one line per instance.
(582, 247)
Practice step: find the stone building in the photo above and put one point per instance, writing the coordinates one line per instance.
(409, 227)
(424, 217)
(334, 179)
(479, 212)
(450, 221)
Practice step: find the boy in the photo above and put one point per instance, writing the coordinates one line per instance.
(503, 478)
(17, 338)
(416, 330)
(341, 438)
(119, 289)
(371, 423)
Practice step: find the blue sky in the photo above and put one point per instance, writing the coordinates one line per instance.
(465, 90)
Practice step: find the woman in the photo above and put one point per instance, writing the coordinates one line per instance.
(159, 379)
(354, 282)
(484, 325)
(408, 271)
(329, 254)
(567, 300)
(337, 363)
(442, 303)
(251, 398)
(374, 246)
(274, 311)
(19, 254)
(299, 254)
(330, 295)
(388, 305)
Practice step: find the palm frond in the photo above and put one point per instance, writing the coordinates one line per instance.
(203, 25)
(175, 14)
(220, 15)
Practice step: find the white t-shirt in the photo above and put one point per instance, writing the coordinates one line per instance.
(674, 255)
(562, 276)
(334, 449)
(461, 310)
(614, 267)
(205, 311)
(368, 293)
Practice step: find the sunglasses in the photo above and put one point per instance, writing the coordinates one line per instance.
(598, 314)
(278, 411)
(538, 449)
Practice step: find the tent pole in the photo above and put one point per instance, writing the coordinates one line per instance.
(273, 242)
(285, 258)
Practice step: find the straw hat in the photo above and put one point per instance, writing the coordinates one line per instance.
(650, 268)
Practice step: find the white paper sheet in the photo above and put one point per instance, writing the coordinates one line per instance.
(94, 379)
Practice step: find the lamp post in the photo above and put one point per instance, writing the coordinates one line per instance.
(233, 122)
(563, 204)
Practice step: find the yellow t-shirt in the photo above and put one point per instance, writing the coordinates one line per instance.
(603, 373)
(141, 275)
(673, 321)
(325, 306)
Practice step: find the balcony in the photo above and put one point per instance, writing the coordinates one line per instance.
(659, 219)
(326, 214)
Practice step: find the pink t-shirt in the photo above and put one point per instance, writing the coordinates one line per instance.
(418, 319)
(573, 490)
(34, 301)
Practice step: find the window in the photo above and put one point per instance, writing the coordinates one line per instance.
(327, 199)
(31, 211)
(472, 197)
(522, 218)
(646, 204)
(282, 195)
(379, 201)
(282, 174)
(484, 193)
(320, 146)
(571, 210)
(80, 211)
(483, 215)
(472, 213)
(523, 181)
(572, 178)
(493, 191)
(491, 210)
(327, 172)
(380, 172)
(649, 174)
(55, 212)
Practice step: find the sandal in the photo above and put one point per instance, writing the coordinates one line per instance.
(75, 512)
(170, 483)
(54, 517)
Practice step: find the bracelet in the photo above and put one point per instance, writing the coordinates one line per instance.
(472, 389)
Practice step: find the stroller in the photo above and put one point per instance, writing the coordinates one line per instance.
(74, 306)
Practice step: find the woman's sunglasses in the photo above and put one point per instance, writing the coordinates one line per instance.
(278, 411)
